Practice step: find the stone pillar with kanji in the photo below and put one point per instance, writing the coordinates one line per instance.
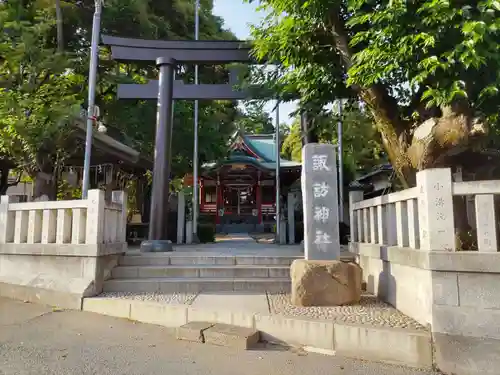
(320, 202)
(322, 279)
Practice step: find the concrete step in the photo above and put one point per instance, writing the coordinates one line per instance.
(202, 271)
(196, 285)
(219, 334)
(165, 259)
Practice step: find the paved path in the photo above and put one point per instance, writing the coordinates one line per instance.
(37, 340)
(236, 244)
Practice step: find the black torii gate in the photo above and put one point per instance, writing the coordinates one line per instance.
(167, 54)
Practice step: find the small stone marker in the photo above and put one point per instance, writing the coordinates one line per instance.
(231, 336)
(193, 331)
(320, 202)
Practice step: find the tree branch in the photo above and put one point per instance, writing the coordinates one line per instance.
(377, 96)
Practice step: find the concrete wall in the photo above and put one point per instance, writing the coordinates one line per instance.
(60, 281)
(455, 293)
(405, 243)
(59, 252)
(403, 286)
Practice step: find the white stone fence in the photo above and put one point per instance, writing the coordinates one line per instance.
(406, 245)
(91, 221)
(422, 217)
(58, 252)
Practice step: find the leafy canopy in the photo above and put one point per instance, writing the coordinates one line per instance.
(408, 61)
(42, 90)
(437, 48)
(38, 100)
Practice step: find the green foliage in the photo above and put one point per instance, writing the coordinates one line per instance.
(38, 100)
(407, 60)
(449, 49)
(445, 49)
(361, 143)
(206, 233)
(254, 119)
(42, 90)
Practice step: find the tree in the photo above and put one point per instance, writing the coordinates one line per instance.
(159, 20)
(254, 119)
(60, 30)
(38, 101)
(44, 60)
(427, 70)
(362, 146)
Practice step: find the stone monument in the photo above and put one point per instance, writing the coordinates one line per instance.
(320, 202)
(322, 279)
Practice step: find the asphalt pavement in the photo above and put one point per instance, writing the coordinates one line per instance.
(39, 340)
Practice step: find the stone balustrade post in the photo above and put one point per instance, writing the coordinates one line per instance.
(120, 197)
(189, 232)
(435, 210)
(181, 216)
(95, 217)
(291, 218)
(354, 197)
(6, 221)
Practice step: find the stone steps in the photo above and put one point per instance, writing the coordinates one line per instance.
(195, 272)
(166, 259)
(197, 285)
(201, 271)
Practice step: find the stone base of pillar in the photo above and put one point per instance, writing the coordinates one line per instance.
(282, 239)
(189, 232)
(156, 246)
(325, 283)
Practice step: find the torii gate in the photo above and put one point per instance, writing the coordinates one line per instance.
(167, 54)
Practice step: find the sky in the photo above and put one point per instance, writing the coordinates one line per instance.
(237, 17)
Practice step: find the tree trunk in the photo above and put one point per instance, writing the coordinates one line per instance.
(44, 187)
(433, 143)
(429, 145)
(59, 23)
(4, 180)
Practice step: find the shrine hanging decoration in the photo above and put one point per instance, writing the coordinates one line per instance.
(103, 174)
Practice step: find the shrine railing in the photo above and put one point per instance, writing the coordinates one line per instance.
(77, 222)
(423, 217)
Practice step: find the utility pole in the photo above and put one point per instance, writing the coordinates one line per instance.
(341, 164)
(195, 148)
(277, 137)
(94, 62)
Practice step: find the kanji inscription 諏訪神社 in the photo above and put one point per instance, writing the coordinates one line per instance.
(320, 200)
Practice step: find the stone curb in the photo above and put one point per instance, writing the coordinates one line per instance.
(366, 342)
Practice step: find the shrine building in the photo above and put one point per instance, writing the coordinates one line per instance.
(238, 193)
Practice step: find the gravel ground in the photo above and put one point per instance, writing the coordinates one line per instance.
(171, 298)
(368, 311)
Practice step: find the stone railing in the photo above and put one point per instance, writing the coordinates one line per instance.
(407, 247)
(76, 222)
(387, 220)
(58, 252)
(422, 217)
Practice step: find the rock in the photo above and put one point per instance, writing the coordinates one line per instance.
(231, 336)
(325, 283)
